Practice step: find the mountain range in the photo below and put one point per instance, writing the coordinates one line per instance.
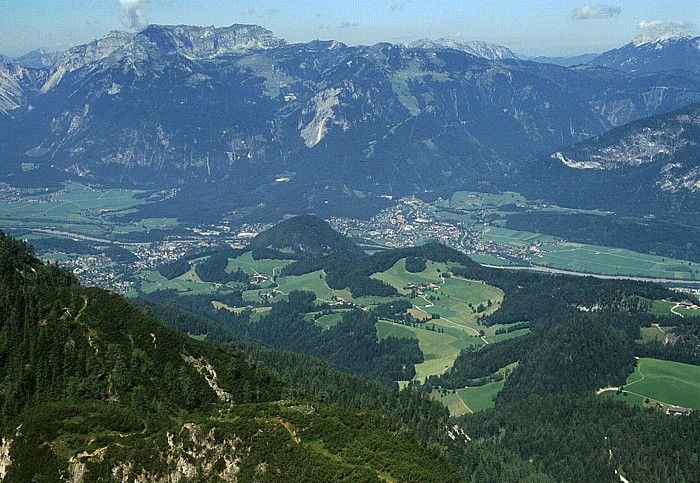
(647, 167)
(655, 53)
(253, 124)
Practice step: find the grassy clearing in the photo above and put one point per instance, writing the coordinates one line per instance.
(328, 321)
(672, 309)
(494, 339)
(480, 398)
(314, 282)
(439, 349)
(664, 382)
(246, 263)
(237, 310)
(152, 280)
(452, 402)
(650, 334)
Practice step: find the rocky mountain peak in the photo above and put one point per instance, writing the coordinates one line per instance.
(208, 42)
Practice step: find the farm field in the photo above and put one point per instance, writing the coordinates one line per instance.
(577, 257)
(494, 339)
(470, 200)
(515, 238)
(152, 280)
(672, 309)
(452, 402)
(315, 282)
(664, 382)
(79, 210)
(328, 321)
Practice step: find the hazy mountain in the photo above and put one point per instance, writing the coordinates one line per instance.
(38, 59)
(16, 83)
(655, 53)
(564, 61)
(237, 118)
(484, 50)
(650, 166)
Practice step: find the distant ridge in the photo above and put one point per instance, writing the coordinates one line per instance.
(655, 53)
(474, 47)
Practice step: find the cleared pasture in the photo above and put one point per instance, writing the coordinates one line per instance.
(673, 309)
(328, 321)
(440, 349)
(480, 398)
(452, 402)
(494, 339)
(664, 382)
(152, 280)
(246, 263)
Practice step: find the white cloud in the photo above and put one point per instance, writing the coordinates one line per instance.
(595, 11)
(681, 24)
(341, 26)
(661, 26)
(650, 24)
(656, 30)
(135, 12)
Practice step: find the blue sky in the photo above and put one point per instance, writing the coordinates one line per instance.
(531, 27)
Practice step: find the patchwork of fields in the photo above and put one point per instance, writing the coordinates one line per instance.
(576, 257)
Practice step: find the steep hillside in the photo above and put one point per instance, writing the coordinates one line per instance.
(94, 388)
(646, 167)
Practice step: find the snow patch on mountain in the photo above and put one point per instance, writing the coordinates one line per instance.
(479, 49)
(659, 37)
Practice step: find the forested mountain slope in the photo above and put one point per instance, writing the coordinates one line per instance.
(94, 388)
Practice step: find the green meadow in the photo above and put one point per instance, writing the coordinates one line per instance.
(672, 309)
(595, 259)
(246, 263)
(663, 382)
(440, 349)
(480, 398)
(80, 210)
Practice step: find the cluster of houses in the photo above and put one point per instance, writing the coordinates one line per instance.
(260, 278)
(340, 302)
(423, 288)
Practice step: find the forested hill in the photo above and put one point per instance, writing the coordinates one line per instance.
(93, 388)
(301, 238)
